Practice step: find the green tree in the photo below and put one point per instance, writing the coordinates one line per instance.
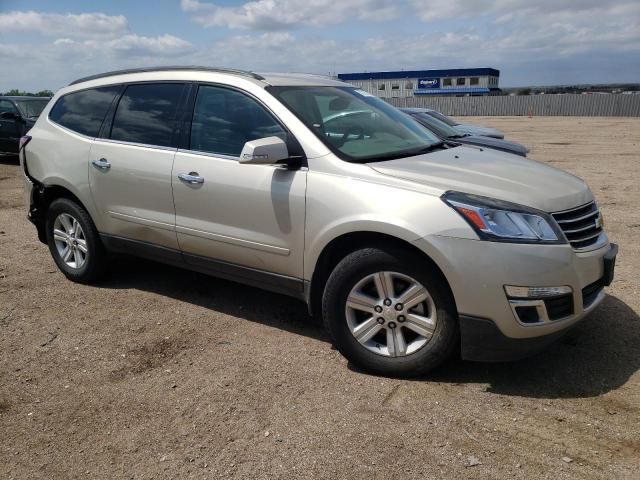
(14, 92)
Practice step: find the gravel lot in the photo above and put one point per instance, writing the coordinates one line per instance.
(163, 373)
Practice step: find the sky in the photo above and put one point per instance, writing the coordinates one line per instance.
(46, 44)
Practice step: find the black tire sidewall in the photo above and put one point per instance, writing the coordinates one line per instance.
(354, 268)
(94, 264)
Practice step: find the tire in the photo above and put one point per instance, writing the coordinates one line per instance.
(356, 275)
(63, 215)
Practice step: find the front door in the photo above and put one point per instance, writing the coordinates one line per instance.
(130, 171)
(9, 127)
(242, 215)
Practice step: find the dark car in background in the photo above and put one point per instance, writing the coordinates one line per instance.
(17, 116)
(447, 132)
(469, 128)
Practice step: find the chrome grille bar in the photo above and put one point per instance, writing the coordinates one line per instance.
(581, 225)
(578, 219)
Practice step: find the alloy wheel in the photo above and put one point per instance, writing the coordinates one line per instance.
(70, 241)
(391, 314)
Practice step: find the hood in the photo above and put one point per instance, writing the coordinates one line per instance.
(492, 174)
(489, 142)
(477, 130)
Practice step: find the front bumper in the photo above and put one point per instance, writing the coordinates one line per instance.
(482, 341)
(477, 272)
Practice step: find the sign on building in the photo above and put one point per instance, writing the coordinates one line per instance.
(428, 83)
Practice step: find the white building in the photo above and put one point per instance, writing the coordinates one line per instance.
(407, 83)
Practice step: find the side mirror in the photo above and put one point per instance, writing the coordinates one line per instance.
(9, 116)
(264, 151)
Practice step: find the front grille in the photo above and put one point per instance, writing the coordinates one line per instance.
(582, 225)
(559, 307)
(591, 292)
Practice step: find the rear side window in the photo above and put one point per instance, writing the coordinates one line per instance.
(84, 111)
(224, 120)
(146, 114)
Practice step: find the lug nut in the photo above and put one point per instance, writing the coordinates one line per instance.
(387, 302)
(380, 320)
(401, 318)
(398, 306)
(378, 308)
(392, 324)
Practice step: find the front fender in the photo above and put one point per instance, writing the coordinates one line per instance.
(338, 205)
(344, 226)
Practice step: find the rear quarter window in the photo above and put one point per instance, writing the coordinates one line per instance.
(84, 111)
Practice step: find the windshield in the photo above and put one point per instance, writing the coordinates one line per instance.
(442, 118)
(354, 124)
(32, 108)
(436, 125)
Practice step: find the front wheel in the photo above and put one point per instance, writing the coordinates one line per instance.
(74, 242)
(389, 313)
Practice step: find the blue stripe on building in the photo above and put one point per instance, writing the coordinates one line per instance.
(451, 91)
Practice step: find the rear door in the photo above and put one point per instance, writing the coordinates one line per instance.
(243, 215)
(130, 169)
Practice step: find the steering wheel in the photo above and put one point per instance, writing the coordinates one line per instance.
(351, 129)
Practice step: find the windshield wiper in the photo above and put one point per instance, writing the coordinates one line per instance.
(431, 148)
(408, 153)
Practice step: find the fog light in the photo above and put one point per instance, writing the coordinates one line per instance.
(528, 314)
(535, 292)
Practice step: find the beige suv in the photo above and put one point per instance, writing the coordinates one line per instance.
(408, 247)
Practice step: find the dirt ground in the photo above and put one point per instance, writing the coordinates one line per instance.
(163, 373)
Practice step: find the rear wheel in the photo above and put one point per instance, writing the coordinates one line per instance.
(389, 313)
(74, 242)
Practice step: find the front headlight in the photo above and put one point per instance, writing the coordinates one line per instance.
(500, 221)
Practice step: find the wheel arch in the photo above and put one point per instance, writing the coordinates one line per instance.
(43, 196)
(344, 244)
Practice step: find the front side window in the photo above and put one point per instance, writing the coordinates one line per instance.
(146, 114)
(446, 82)
(225, 119)
(354, 124)
(84, 111)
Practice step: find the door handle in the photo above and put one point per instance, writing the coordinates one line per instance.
(102, 164)
(191, 177)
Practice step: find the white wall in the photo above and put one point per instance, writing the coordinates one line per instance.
(373, 86)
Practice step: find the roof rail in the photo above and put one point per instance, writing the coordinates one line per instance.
(162, 69)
